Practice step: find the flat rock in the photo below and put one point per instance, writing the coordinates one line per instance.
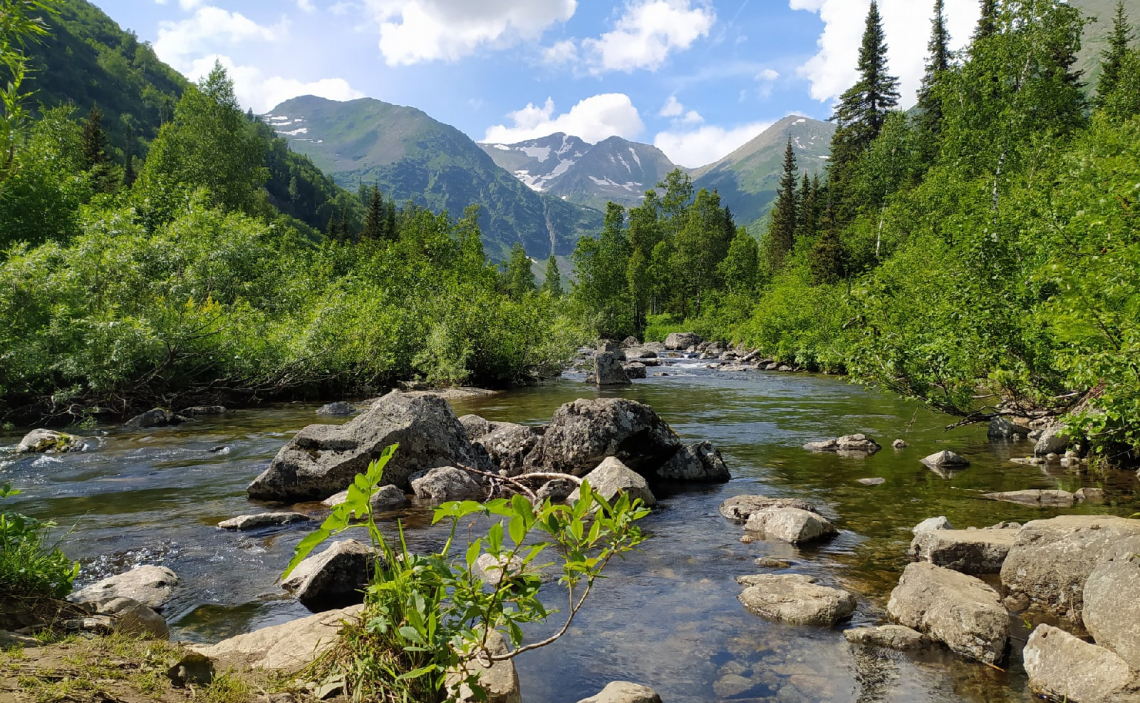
(946, 459)
(1112, 606)
(1035, 497)
(740, 508)
(1052, 559)
(150, 585)
(699, 463)
(968, 551)
(847, 444)
(958, 610)
(446, 483)
(888, 636)
(613, 478)
(871, 481)
(288, 647)
(384, 499)
(42, 441)
(242, 523)
(932, 523)
(790, 525)
(333, 579)
(624, 692)
(10, 640)
(795, 599)
(1063, 667)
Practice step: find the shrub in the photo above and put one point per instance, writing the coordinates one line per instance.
(31, 564)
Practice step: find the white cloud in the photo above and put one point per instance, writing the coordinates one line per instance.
(646, 33)
(907, 26)
(706, 144)
(306, 5)
(768, 75)
(593, 119)
(561, 53)
(210, 28)
(413, 31)
(672, 108)
(692, 117)
(256, 90)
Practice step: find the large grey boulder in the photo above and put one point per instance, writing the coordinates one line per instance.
(243, 523)
(634, 370)
(1035, 497)
(508, 445)
(958, 610)
(322, 459)
(150, 585)
(680, 341)
(42, 441)
(888, 637)
(288, 647)
(335, 578)
(339, 408)
(795, 599)
(446, 484)
(968, 551)
(847, 445)
(499, 681)
(1051, 560)
(384, 499)
(699, 462)
(740, 508)
(629, 343)
(1051, 441)
(1003, 428)
(130, 617)
(790, 525)
(1063, 667)
(476, 426)
(557, 490)
(583, 433)
(608, 370)
(624, 692)
(612, 478)
(1112, 606)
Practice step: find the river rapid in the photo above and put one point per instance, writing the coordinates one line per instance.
(667, 616)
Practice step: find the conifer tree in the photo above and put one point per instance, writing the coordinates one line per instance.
(553, 282)
(988, 22)
(94, 139)
(782, 228)
(929, 94)
(828, 259)
(518, 279)
(129, 173)
(332, 229)
(807, 219)
(376, 218)
(343, 229)
(391, 229)
(1114, 55)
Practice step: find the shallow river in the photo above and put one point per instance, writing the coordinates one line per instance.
(667, 616)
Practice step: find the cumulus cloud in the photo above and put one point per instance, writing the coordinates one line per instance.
(562, 52)
(256, 90)
(210, 28)
(906, 23)
(702, 146)
(593, 119)
(672, 108)
(414, 31)
(646, 33)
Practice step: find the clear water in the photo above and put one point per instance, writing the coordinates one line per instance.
(667, 616)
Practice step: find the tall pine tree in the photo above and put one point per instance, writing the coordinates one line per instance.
(988, 22)
(94, 139)
(376, 218)
(828, 258)
(930, 94)
(553, 282)
(782, 228)
(1114, 55)
(518, 279)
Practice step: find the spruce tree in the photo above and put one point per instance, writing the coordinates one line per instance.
(375, 219)
(782, 228)
(129, 172)
(1114, 55)
(553, 282)
(94, 139)
(828, 259)
(808, 215)
(518, 279)
(988, 22)
(929, 95)
(343, 229)
(332, 230)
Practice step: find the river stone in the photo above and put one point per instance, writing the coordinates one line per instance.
(1002, 428)
(508, 445)
(155, 418)
(680, 341)
(130, 617)
(1112, 606)
(946, 459)
(958, 610)
(339, 408)
(445, 484)
(475, 426)
(795, 599)
(1093, 496)
(242, 523)
(499, 681)
(557, 490)
(12, 640)
(624, 692)
(583, 433)
(608, 370)
(740, 508)
(871, 481)
(612, 478)
(335, 578)
(288, 647)
(699, 462)
(634, 370)
(790, 525)
(1063, 667)
(888, 637)
(191, 669)
(384, 499)
(1035, 497)
(629, 343)
(968, 551)
(322, 459)
(1051, 441)
(932, 523)
(1051, 559)
(149, 585)
(41, 441)
(852, 444)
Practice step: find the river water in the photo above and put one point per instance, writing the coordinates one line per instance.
(667, 616)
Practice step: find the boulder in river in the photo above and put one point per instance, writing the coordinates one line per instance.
(699, 462)
(968, 551)
(130, 617)
(634, 370)
(680, 341)
(1064, 667)
(795, 599)
(335, 578)
(583, 433)
(42, 441)
(242, 523)
(877, 481)
(932, 523)
(629, 343)
(150, 585)
(499, 681)
(384, 499)
(946, 459)
(447, 483)
(624, 692)
(1051, 560)
(608, 370)
(155, 418)
(740, 508)
(1112, 606)
(958, 610)
(851, 444)
(612, 478)
(1052, 441)
(508, 445)
(1004, 428)
(790, 525)
(339, 408)
(1035, 497)
(557, 490)
(288, 647)
(322, 459)
(1091, 495)
(888, 637)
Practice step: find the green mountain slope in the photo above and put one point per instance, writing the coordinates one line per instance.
(747, 178)
(413, 157)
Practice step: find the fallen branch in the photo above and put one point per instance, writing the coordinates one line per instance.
(523, 488)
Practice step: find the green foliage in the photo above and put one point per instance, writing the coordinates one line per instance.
(31, 564)
(553, 282)
(22, 22)
(781, 237)
(427, 618)
(518, 278)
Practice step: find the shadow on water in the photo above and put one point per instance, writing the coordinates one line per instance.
(667, 616)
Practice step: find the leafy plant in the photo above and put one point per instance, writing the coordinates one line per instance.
(31, 565)
(430, 621)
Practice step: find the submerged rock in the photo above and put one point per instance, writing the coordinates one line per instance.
(795, 599)
(242, 523)
(288, 647)
(150, 585)
(1093, 496)
(740, 508)
(612, 478)
(888, 636)
(699, 462)
(624, 692)
(335, 578)
(790, 525)
(42, 441)
(445, 484)
(338, 408)
(155, 418)
(204, 411)
(608, 370)
(680, 341)
(1063, 667)
(1003, 428)
(384, 499)
(850, 444)
(968, 551)
(871, 481)
(1036, 498)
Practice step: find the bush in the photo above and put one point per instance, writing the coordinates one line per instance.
(31, 565)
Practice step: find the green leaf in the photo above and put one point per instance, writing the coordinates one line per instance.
(517, 529)
(473, 550)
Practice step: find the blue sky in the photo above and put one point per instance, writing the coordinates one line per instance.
(698, 78)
